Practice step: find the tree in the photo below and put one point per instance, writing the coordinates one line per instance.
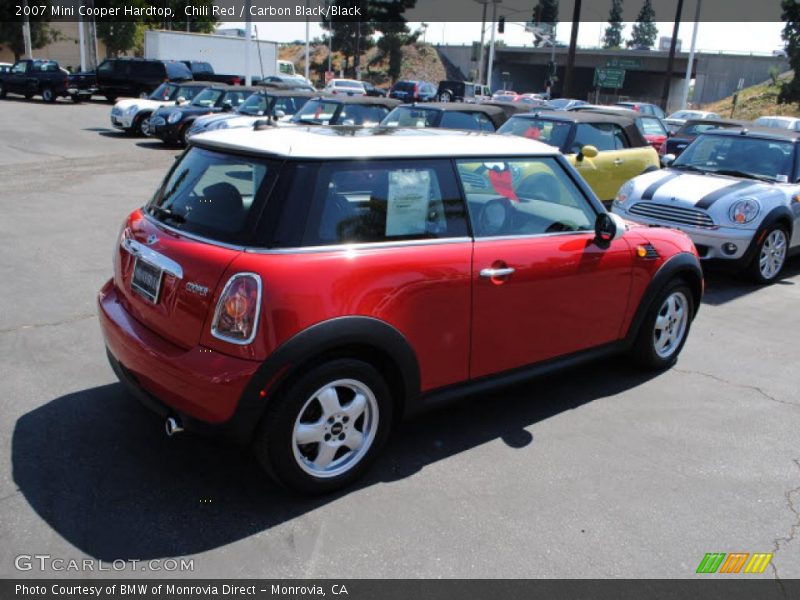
(389, 21)
(790, 91)
(11, 30)
(613, 35)
(120, 37)
(644, 31)
(351, 38)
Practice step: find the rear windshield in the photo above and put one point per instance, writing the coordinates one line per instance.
(348, 84)
(321, 112)
(216, 195)
(404, 86)
(650, 127)
(411, 116)
(554, 133)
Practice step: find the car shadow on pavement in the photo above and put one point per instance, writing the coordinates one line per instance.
(159, 145)
(98, 468)
(723, 286)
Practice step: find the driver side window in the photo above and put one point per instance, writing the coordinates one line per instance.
(523, 197)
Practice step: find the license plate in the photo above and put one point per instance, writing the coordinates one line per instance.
(146, 280)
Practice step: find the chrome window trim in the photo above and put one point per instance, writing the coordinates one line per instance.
(191, 236)
(358, 246)
(499, 238)
(148, 255)
(257, 278)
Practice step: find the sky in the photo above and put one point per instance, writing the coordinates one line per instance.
(711, 37)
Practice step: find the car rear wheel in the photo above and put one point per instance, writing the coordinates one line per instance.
(48, 95)
(445, 97)
(771, 256)
(2, 90)
(322, 432)
(76, 98)
(665, 328)
(111, 97)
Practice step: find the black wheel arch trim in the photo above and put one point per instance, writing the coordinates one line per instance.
(777, 214)
(325, 338)
(683, 264)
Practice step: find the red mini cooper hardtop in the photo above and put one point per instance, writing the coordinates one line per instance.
(304, 289)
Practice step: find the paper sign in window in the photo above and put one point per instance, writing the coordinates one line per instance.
(407, 202)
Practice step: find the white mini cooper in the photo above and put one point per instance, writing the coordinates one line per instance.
(735, 192)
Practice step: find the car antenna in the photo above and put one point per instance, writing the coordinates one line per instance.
(263, 124)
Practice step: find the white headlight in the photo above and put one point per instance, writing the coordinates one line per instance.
(132, 109)
(744, 211)
(217, 125)
(174, 117)
(624, 193)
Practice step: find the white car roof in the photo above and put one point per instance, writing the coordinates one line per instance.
(348, 142)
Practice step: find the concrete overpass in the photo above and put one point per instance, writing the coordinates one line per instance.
(716, 75)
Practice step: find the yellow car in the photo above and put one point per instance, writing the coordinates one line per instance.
(607, 150)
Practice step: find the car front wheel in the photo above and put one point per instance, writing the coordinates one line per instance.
(48, 95)
(665, 328)
(322, 432)
(770, 256)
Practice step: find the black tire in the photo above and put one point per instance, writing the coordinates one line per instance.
(2, 90)
(754, 270)
(274, 444)
(28, 96)
(48, 95)
(111, 97)
(76, 98)
(140, 125)
(645, 352)
(446, 96)
(183, 140)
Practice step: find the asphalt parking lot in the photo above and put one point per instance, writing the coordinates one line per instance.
(599, 472)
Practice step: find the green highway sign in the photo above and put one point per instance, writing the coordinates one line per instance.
(609, 78)
(624, 63)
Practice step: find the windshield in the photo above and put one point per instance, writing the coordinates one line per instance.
(698, 128)
(213, 194)
(554, 133)
(408, 116)
(164, 92)
(739, 156)
(255, 105)
(207, 98)
(348, 84)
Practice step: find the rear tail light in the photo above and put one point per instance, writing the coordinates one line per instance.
(238, 309)
(236, 81)
(416, 91)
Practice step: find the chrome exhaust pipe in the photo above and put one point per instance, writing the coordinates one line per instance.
(173, 426)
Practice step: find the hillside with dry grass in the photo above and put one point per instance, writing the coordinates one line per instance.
(756, 101)
(420, 61)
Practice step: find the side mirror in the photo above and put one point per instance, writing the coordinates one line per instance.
(227, 107)
(279, 114)
(588, 151)
(607, 228)
(667, 159)
(179, 100)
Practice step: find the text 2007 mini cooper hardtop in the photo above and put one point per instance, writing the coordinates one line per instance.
(304, 289)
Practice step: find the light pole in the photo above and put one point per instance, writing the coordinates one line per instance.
(483, 35)
(491, 43)
(307, 33)
(690, 63)
(248, 44)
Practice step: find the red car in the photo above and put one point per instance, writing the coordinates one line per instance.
(304, 289)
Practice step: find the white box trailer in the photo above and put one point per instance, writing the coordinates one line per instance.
(225, 53)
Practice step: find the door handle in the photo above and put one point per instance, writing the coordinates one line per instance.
(619, 161)
(491, 273)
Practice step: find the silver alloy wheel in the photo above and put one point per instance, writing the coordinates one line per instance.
(773, 254)
(671, 321)
(144, 126)
(47, 94)
(335, 428)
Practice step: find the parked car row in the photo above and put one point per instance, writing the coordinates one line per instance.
(613, 148)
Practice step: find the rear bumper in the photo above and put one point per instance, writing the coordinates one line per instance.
(201, 386)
